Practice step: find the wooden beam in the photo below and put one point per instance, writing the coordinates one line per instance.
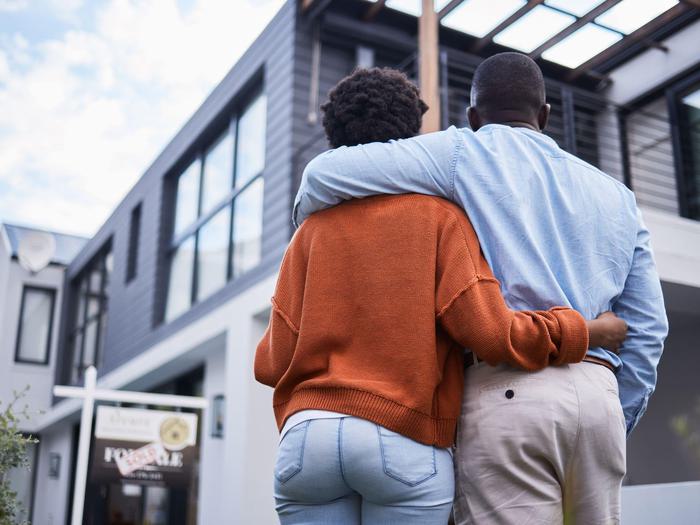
(588, 17)
(487, 39)
(373, 10)
(639, 35)
(449, 8)
(429, 67)
(693, 3)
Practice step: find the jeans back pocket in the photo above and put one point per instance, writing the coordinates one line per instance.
(406, 460)
(290, 455)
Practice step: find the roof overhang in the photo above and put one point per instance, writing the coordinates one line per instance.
(589, 37)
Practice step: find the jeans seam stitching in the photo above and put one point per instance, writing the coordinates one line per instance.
(301, 456)
(340, 450)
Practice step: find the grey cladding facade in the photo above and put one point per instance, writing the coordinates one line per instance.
(135, 318)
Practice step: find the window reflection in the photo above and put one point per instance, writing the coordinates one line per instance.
(34, 333)
(247, 228)
(187, 203)
(212, 254)
(250, 158)
(180, 286)
(218, 172)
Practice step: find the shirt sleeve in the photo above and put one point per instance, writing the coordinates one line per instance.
(423, 164)
(641, 305)
(473, 312)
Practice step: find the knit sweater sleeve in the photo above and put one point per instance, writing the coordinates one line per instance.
(472, 310)
(276, 348)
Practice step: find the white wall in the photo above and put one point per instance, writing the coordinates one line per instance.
(252, 440)
(655, 66)
(212, 449)
(676, 245)
(51, 495)
(16, 376)
(668, 503)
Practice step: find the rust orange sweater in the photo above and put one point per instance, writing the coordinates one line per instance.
(375, 301)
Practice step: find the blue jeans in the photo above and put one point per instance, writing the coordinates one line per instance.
(349, 470)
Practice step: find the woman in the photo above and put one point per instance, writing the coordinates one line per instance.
(375, 302)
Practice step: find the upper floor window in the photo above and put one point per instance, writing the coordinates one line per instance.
(86, 338)
(218, 212)
(134, 237)
(35, 325)
(690, 137)
(650, 156)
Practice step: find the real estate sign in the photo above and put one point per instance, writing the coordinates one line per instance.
(144, 446)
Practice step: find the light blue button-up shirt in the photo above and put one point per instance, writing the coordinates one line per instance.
(555, 230)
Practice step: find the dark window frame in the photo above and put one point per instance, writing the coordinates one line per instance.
(674, 93)
(230, 127)
(132, 258)
(18, 338)
(81, 319)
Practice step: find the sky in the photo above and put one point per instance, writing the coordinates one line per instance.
(92, 90)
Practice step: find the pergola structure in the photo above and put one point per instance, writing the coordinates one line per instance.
(584, 36)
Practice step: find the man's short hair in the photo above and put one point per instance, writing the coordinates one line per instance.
(372, 105)
(508, 81)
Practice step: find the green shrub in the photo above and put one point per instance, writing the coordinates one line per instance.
(13, 454)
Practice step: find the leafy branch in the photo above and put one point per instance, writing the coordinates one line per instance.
(13, 455)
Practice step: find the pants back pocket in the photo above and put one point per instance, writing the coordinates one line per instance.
(406, 460)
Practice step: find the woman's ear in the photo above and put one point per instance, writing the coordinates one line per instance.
(474, 118)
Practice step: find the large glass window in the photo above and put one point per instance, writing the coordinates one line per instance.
(212, 254)
(247, 228)
(187, 205)
(35, 325)
(86, 339)
(218, 212)
(180, 289)
(250, 158)
(217, 177)
(690, 131)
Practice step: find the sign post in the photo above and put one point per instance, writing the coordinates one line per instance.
(89, 393)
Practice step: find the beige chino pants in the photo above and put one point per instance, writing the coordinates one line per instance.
(542, 448)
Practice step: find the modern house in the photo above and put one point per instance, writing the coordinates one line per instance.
(172, 294)
(30, 298)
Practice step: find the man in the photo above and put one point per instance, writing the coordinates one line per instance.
(374, 303)
(555, 230)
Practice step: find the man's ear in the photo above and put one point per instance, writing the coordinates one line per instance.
(543, 116)
(474, 118)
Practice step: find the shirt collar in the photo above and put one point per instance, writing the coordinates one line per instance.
(537, 135)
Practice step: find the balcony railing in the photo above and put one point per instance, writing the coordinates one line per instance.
(633, 146)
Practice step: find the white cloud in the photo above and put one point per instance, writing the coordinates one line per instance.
(13, 5)
(4, 66)
(84, 115)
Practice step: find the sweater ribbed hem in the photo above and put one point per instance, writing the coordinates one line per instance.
(408, 422)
